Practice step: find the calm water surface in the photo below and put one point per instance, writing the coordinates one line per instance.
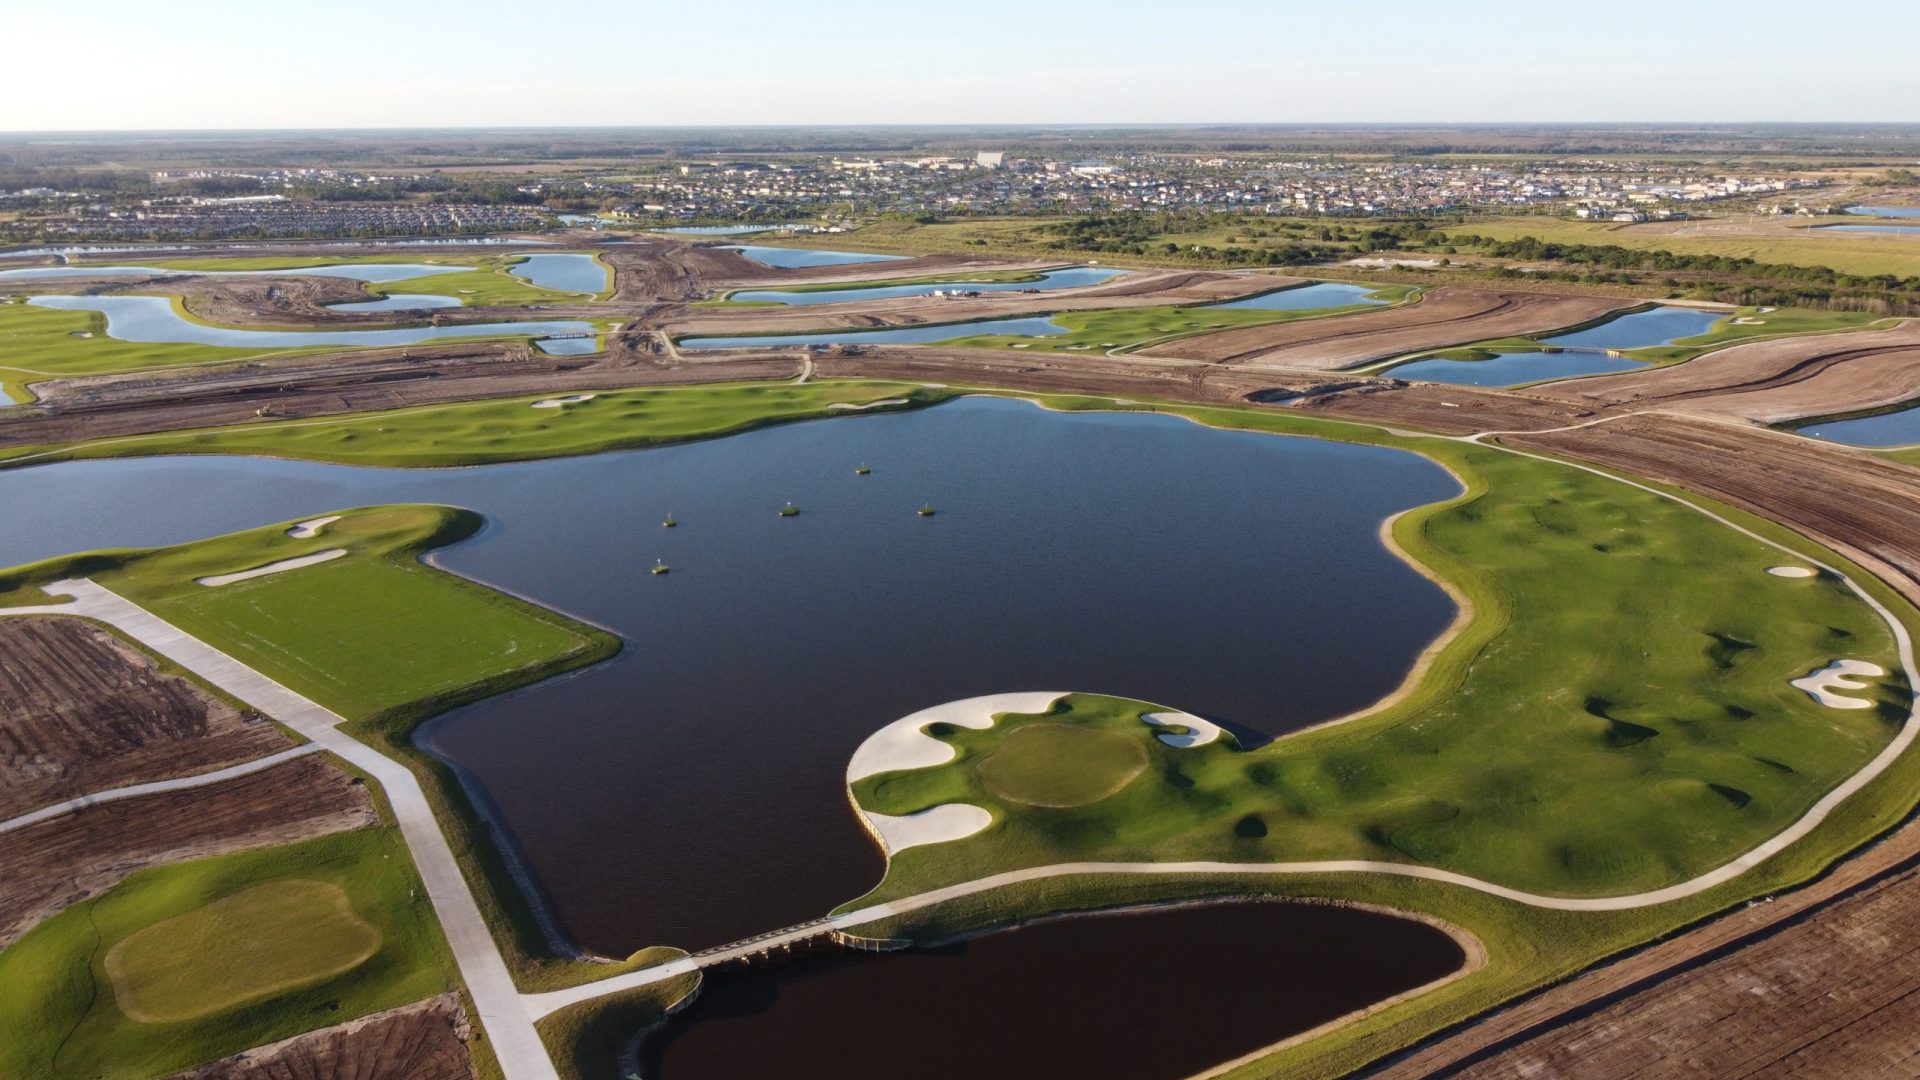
(152, 318)
(1145, 996)
(563, 272)
(691, 790)
(1641, 329)
(399, 302)
(1511, 367)
(1030, 326)
(1886, 211)
(1070, 278)
(1900, 428)
(785, 258)
(1898, 230)
(1326, 294)
(374, 272)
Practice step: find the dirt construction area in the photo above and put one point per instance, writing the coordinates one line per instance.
(55, 863)
(82, 711)
(1771, 381)
(1448, 315)
(423, 1041)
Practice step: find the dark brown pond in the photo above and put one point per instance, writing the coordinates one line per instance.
(1145, 996)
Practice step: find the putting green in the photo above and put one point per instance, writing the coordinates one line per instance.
(1061, 765)
(254, 944)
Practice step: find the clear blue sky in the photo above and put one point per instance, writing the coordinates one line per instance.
(118, 64)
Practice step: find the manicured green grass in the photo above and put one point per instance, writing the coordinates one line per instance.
(63, 1018)
(257, 943)
(1132, 327)
(511, 430)
(1627, 669)
(373, 631)
(39, 343)
(1056, 765)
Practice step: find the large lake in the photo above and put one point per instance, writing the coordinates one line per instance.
(1897, 230)
(1886, 211)
(691, 791)
(153, 319)
(1071, 277)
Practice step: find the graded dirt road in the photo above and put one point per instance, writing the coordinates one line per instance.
(1448, 315)
(423, 1041)
(81, 711)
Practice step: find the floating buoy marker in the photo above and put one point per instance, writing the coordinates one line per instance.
(669, 523)
(926, 510)
(789, 510)
(862, 471)
(659, 566)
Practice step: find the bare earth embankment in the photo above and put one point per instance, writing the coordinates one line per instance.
(82, 711)
(423, 1041)
(1445, 316)
(1771, 381)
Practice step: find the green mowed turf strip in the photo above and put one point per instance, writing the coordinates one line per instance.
(1046, 764)
(38, 343)
(512, 430)
(1108, 328)
(1616, 718)
(369, 632)
(256, 943)
(61, 1016)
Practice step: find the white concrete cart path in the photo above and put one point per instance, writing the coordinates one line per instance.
(509, 1030)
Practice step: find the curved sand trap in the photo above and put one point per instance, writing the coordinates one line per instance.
(1821, 684)
(934, 825)
(851, 407)
(272, 568)
(1749, 321)
(1792, 571)
(307, 530)
(903, 745)
(1199, 732)
(556, 402)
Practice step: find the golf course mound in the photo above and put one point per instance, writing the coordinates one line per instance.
(253, 944)
(1061, 765)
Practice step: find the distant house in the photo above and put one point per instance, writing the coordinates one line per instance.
(991, 159)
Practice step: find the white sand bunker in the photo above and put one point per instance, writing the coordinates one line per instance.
(904, 744)
(1821, 684)
(1792, 571)
(869, 405)
(272, 568)
(1199, 732)
(1748, 320)
(935, 825)
(556, 402)
(307, 530)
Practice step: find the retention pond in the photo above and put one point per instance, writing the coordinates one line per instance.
(690, 791)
